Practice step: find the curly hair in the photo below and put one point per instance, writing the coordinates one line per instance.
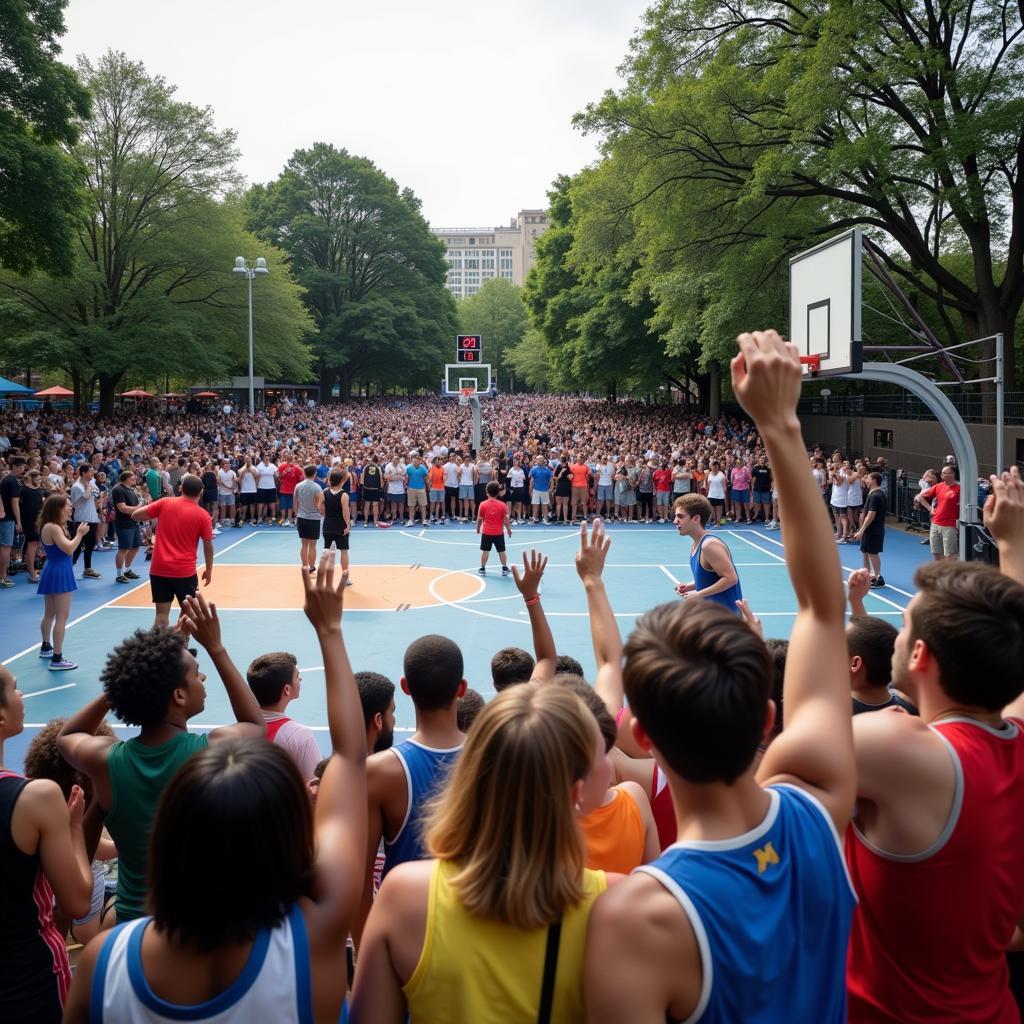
(141, 673)
(44, 761)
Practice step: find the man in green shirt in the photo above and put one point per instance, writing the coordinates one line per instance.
(152, 680)
(154, 479)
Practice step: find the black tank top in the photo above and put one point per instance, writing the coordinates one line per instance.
(334, 521)
(32, 972)
(372, 478)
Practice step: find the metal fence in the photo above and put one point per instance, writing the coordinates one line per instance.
(974, 408)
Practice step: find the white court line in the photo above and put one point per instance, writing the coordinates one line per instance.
(872, 593)
(669, 575)
(52, 689)
(627, 615)
(511, 544)
(117, 597)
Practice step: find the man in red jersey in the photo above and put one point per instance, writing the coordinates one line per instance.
(492, 520)
(942, 500)
(934, 850)
(182, 524)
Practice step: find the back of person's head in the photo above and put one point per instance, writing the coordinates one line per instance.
(141, 674)
(511, 665)
(124, 475)
(493, 489)
(376, 692)
(239, 809)
(506, 814)
(695, 505)
(336, 477)
(971, 619)
(433, 672)
(52, 510)
(778, 651)
(469, 706)
(191, 486)
(698, 679)
(566, 664)
(269, 674)
(309, 472)
(593, 703)
(876, 478)
(43, 759)
(873, 641)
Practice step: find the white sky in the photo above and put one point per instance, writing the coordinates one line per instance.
(469, 104)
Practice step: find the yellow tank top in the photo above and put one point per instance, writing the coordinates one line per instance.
(482, 971)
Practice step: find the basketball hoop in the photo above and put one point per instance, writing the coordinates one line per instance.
(464, 395)
(812, 362)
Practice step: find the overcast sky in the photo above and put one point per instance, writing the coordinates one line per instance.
(469, 104)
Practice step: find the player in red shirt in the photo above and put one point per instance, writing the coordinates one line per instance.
(290, 476)
(934, 849)
(182, 524)
(492, 519)
(945, 512)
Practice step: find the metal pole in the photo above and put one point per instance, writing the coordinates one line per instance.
(250, 274)
(1000, 397)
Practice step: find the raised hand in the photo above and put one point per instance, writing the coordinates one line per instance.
(1004, 508)
(857, 585)
(201, 621)
(749, 617)
(528, 581)
(76, 805)
(593, 550)
(83, 529)
(766, 378)
(324, 602)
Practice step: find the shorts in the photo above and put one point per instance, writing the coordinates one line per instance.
(99, 894)
(872, 543)
(372, 494)
(492, 540)
(396, 497)
(605, 492)
(541, 497)
(944, 540)
(247, 498)
(741, 497)
(467, 492)
(762, 498)
(209, 497)
(716, 502)
(417, 498)
(287, 502)
(266, 495)
(6, 534)
(166, 588)
(309, 529)
(29, 532)
(128, 537)
(340, 540)
(436, 495)
(661, 498)
(227, 500)
(520, 495)
(838, 508)
(580, 494)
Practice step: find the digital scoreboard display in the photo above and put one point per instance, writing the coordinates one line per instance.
(468, 348)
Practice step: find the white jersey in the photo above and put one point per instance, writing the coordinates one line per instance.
(265, 473)
(516, 477)
(396, 470)
(226, 479)
(606, 474)
(854, 492)
(274, 985)
(466, 474)
(247, 483)
(839, 485)
(451, 475)
(716, 485)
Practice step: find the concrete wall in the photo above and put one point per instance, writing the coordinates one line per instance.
(916, 444)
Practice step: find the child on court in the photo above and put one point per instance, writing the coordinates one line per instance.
(492, 519)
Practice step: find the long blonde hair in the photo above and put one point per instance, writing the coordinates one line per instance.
(505, 816)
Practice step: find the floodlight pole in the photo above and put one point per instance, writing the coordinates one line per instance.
(241, 267)
(1000, 398)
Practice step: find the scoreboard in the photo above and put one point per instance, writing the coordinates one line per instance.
(468, 348)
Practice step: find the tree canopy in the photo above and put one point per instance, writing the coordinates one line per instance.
(43, 101)
(371, 271)
(498, 314)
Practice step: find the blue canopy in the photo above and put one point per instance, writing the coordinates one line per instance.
(8, 387)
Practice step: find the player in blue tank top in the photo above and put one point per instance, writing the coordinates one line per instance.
(746, 917)
(711, 565)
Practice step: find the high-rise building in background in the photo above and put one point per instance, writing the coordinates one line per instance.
(476, 254)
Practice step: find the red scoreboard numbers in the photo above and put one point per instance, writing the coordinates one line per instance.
(468, 348)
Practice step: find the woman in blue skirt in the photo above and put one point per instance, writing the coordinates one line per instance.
(57, 582)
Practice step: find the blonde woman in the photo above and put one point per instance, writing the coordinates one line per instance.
(493, 929)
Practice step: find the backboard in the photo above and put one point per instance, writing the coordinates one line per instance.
(467, 375)
(825, 305)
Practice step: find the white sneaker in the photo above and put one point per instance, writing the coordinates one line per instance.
(216, 531)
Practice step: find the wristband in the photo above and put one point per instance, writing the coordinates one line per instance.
(530, 602)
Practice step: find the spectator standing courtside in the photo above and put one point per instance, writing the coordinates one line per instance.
(309, 510)
(492, 522)
(182, 525)
(125, 500)
(84, 496)
(942, 501)
(871, 532)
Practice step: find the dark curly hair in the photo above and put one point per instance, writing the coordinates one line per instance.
(141, 674)
(44, 761)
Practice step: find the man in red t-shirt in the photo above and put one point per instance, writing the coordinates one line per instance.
(579, 473)
(492, 519)
(662, 491)
(290, 476)
(943, 502)
(182, 523)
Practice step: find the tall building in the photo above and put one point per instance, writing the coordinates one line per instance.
(476, 254)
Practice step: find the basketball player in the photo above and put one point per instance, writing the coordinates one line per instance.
(714, 574)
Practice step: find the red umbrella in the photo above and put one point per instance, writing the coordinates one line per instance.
(55, 392)
(174, 394)
(206, 394)
(136, 393)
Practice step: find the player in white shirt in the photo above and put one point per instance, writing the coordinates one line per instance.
(227, 486)
(266, 491)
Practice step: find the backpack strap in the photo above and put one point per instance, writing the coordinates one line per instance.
(547, 992)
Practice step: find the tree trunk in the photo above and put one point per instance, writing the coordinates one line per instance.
(612, 390)
(715, 391)
(108, 391)
(76, 386)
(327, 377)
(345, 380)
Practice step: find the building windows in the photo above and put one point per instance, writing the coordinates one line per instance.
(472, 264)
(507, 274)
(487, 264)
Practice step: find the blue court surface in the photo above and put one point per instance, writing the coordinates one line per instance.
(407, 582)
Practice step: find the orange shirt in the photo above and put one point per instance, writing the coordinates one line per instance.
(437, 478)
(614, 835)
(579, 474)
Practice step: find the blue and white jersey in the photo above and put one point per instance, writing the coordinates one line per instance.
(771, 911)
(274, 985)
(425, 770)
(706, 578)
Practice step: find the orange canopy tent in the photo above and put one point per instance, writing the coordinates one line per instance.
(207, 394)
(136, 393)
(55, 392)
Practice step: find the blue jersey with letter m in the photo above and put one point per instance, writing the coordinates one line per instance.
(425, 771)
(771, 912)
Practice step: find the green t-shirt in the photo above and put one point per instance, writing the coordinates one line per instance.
(154, 483)
(138, 776)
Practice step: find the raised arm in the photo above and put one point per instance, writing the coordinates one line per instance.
(816, 749)
(340, 818)
(84, 750)
(61, 843)
(200, 620)
(528, 583)
(1004, 517)
(856, 590)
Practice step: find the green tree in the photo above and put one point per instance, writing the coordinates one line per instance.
(904, 118)
(530, 361)
(498, 314)
(371, 270)
(43, 100)
(152, 270)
